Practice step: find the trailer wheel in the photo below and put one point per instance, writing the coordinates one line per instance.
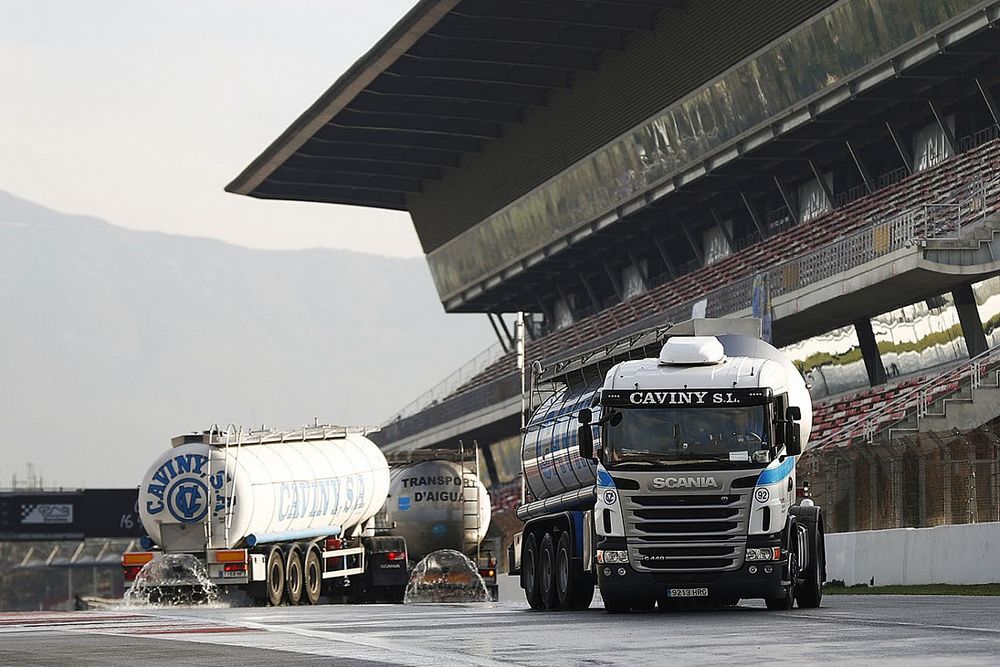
(547, 573)
(293, 576)
(572, 588)
(529, 571)
(313, 574)
(275, 577)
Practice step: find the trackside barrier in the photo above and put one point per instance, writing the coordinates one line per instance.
(953, 554)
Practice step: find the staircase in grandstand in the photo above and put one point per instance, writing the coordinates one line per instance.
(930, 404)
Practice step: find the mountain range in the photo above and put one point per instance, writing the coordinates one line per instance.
(114, 340)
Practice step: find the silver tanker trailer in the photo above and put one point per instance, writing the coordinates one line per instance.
(437, 501)
(661, 468)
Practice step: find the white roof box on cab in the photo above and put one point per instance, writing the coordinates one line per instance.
(692, 351)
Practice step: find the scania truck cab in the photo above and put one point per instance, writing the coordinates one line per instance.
(693, 493)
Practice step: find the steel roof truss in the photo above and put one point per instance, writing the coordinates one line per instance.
(376, 120)
(629, 17)
(403, 105)
(463, 90)
(506, 52)
(409, 138)
(525, 75)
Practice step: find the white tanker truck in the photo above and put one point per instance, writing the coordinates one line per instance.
(670, 478)
(286, 516)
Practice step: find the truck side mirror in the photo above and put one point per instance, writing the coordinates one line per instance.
(585, 435)
(793, 441)
(586, 438)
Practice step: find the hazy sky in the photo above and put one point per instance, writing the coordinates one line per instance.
(141, 112)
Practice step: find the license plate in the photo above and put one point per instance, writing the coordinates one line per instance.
(233, 574)
(687, 593)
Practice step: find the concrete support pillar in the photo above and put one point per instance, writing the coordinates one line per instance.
(946, 487)
(921, 492)
(873, 497)
(968, 315)
(870, 353)
(491, 464)
(995, 486)
(972, 514)
(851, 497)
(896, 470)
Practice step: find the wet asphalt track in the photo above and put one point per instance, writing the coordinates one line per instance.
(859, 630)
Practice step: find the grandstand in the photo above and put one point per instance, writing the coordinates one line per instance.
(613, 165)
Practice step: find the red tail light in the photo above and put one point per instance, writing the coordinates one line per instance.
(235, 567)
(131, 572)
(396, 555)
(487, 572)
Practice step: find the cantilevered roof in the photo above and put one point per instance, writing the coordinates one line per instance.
(447, 77)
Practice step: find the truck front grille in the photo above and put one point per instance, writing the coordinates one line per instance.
(689, 532)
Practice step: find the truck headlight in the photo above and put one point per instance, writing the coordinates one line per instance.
(767, 553)
(606, 556)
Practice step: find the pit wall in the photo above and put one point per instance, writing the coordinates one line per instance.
(952, 554)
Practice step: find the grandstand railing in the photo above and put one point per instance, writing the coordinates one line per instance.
(452, 382)
(453, 407)
(914, 404)
(941, 220)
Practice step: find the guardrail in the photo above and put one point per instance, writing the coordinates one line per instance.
(451, 383)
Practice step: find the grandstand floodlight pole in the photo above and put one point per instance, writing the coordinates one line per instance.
(519, 343)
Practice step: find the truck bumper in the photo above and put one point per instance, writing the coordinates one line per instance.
(621, 580)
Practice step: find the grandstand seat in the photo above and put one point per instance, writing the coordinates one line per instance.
(944, 182)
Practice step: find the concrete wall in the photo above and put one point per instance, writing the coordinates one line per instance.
(960, 554)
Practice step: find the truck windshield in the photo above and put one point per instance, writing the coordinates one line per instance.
(668, 435)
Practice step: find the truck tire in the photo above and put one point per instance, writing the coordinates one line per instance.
(529, 569)
(275, 584)
(547, 573)
(293, 576)
(312, 570)
(809, 593)
(572, 589)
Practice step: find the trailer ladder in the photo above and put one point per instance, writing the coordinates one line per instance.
(470, 501)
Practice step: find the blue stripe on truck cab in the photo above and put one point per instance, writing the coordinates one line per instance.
(775, 475)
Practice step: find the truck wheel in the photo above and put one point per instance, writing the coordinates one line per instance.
(312, 570)
(547, 573)
(529, 569)
(809, 593)
(275, 577)
(293, 576)
(572, 589)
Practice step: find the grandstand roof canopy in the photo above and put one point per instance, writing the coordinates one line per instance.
(450, 74)
(532, 140)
